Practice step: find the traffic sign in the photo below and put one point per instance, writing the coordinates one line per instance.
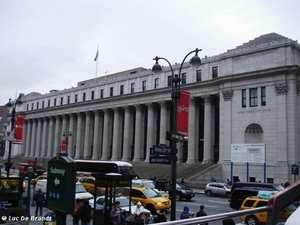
(160, 150)
(175, 136)
(295, 169)
(160, 159)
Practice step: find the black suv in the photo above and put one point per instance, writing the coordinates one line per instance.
(239, 194)
(182, 192)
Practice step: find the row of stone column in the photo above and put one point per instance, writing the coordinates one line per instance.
(107, 134)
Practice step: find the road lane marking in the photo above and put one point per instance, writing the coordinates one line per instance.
(197, 204)
(225, 203)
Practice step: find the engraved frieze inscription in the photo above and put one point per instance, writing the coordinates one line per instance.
(250, 63)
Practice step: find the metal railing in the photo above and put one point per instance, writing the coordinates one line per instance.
(198, 167)
(275, 205)
(217, 217)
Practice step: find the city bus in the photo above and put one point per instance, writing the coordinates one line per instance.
(86, 167)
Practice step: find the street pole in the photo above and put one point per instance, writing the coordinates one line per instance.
(29, 170)
(9, 164)
(12, 104)
(175, 96)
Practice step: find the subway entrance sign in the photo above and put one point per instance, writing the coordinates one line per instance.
(61, 180)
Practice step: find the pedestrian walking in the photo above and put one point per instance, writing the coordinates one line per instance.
(84, 213)
(116, 214)
(161, 216)
(139, 209)
(182, 180)
(185, 214)
(200, 213)
(39, 199)
(75, 214)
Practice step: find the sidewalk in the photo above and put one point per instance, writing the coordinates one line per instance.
(198, 191)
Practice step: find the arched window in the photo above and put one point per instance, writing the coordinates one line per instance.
(254, 133)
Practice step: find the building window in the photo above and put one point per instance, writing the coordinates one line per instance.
(55, 102)
(244, 98)
(83, 96)
(76, 97)
(183, 78)
(61, 101)
(144, 85)
(27, 107)
(111, 91)
(215, 72)
(132, 87)
(43, 104)
(253, 97)
(199, 75)
(101, 93)
(121, 89)
(156, 83)
(31, 106)
(93, 95)
(37, 105)
(49, 103)
(263, 96)
(69, 99)
(170, 81)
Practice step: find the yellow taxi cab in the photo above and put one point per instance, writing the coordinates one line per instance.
(89, 184)
(261, 217)
(149, 198)
(35, 180)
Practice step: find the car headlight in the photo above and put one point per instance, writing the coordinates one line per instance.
(183, 191)
(159, 203)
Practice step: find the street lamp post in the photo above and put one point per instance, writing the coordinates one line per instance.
(12, 104)
(30, 171)
(175, 95)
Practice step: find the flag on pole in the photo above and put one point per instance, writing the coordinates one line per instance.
(96, 57)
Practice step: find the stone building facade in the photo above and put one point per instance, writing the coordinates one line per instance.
(250, 94)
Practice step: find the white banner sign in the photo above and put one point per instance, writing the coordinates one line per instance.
(251, 153)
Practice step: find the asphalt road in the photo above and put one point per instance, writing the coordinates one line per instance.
(213, 205)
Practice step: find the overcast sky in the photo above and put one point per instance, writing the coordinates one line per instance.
(51, 44)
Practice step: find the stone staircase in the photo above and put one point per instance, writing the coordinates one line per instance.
(195, 174)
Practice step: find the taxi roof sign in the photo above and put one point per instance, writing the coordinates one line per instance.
(266, 194)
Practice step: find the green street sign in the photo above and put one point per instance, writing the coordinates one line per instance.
(295, 169)
(61, 179)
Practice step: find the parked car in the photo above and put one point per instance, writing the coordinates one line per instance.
(261, 217)
(124, 204)
(217, 189)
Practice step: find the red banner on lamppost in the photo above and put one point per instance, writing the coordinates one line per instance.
(183, 113)
(18, 129)
(63, 147)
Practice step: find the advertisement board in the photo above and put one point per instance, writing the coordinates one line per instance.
(251, 153)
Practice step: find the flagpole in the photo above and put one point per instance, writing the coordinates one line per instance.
(96, 59)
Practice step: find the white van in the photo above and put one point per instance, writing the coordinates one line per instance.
(149, 184)
(80, 192)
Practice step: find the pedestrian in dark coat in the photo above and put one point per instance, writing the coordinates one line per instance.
(84, 213)
(200, 213)
(39, 199)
